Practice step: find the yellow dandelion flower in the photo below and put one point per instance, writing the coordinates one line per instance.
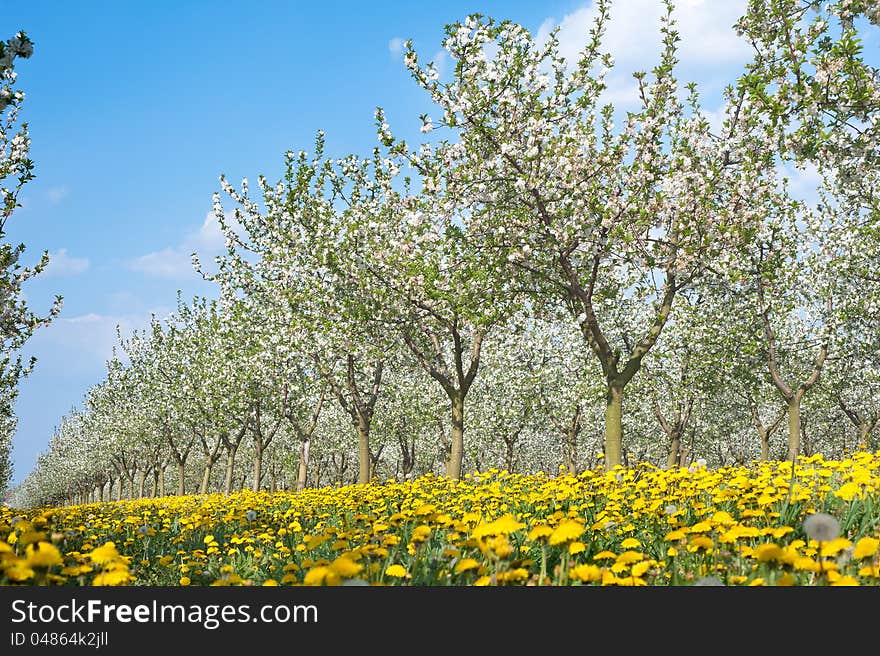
(723, 517)
(539, 532)
(785, 580)
(630, 543)
(576, 548)
(756, 582)
(466, 564)
(270, 582)
(767, 552)
(502, 526)
(781, 531)
(420, 533)
(28, 537)
(566, 531)
(735, 533)
(346, 567)
(675, 535)
(640, 568)
(700, 542)
(605, 555)
(43, 554)
(185, 580)
(849, 491)
(870, 571)
(112, 577)
(321, 575)
(515, 575)
(835, 546)
(397, 571)
(483, 581)
(585, 573)
(104, 554)
(866, 547)
(19, 571)
(629, 557)
(806, 563)
(841, 580)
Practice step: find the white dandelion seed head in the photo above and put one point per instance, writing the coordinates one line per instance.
(821, 527)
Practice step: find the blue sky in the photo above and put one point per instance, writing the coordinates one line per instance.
(135, 109)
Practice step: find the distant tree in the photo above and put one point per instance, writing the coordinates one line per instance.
(17, 321)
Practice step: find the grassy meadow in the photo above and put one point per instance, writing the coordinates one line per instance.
(761, 525)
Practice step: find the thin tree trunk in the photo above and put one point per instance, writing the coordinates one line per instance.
(613, 426)
(794, 426)
(672, 460)
(181, 477)
(206, 477)
(363, 430)
(456, 451)
(258, 465)
(230, 470)
(302, 474)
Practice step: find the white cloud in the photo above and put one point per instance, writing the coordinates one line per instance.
(167, 263)
(57, 194)
(633, 33)
(395, 46)
(803, 184)
(175, 262)
(62, 264)
(91, 317)
(440, 62)
(709, 51)
(84, 342)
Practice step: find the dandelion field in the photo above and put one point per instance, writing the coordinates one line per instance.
(761, 525)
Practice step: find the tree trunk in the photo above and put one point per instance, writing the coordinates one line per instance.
(302, 474)
(142, 479)
(162, 481)
(864, 431)
(510, 455)
(456, 451)
(258, 465)
(794, 426)
(230, 470)
(363, 429)
(206, 476)
(571, 450)
(613, 426)
(765, 445)
(119, 488)
(181, 477)
(673, 459)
